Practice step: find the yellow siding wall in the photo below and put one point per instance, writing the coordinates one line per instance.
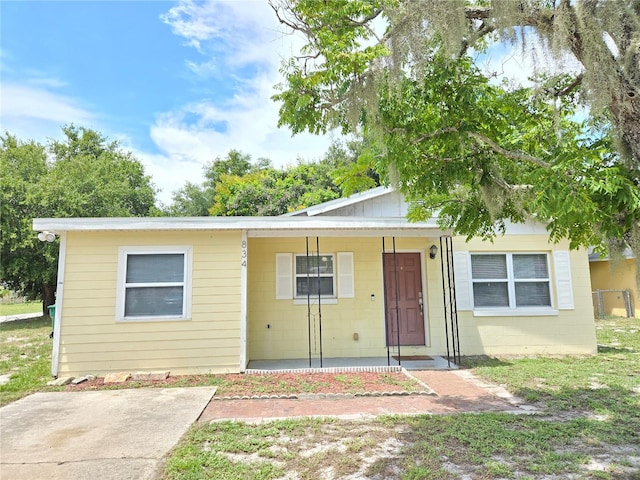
(288, 336)
(92, 342)
(279, 329)
(621, 275)
(569, 332)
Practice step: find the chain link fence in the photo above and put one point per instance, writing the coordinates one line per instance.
(612, 302)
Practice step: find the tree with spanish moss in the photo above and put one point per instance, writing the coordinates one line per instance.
(402, 72)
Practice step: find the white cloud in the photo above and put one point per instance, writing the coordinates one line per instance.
(47, 82)
(247, 122)
(31, 111)
(206, 69)
(168, 173)
(233, 38)
(238, 32)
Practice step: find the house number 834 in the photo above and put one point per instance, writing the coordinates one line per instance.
(243, 253)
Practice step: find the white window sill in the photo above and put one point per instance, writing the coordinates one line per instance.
(314, 301)
(172, 318)
(515, 312)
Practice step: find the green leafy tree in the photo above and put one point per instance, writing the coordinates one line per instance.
(274, 192)
(346, 53)
(192, 200)
(453, 141)
(91, 177)
(83, 175)
(235, 163)
(27, 264)
(195, 200)
(235, 185)
(352, 165)
(481, 155)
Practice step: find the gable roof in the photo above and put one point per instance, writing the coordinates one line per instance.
(332, 205)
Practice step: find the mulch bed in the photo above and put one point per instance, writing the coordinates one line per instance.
(275, 383)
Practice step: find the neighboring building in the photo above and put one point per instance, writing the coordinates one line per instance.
(210, 294)
(614, 284)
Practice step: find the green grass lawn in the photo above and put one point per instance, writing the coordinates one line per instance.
(25, 354)
(18, 308)
(589, 429)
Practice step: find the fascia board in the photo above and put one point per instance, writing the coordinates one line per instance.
(57, 225)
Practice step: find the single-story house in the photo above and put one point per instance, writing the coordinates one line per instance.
(615, 289)
(350, 278)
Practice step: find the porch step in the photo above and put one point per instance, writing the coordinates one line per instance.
(380, 369)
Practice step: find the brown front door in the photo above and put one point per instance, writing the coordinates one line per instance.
(406, 286)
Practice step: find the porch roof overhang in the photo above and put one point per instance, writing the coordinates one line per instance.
(254, 226)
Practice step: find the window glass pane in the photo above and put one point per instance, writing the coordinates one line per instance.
(530, 266)
(155, 268)
(488, 266)
(532, 294)
(325, 262)
(153, 301)
(490, 294)
(303, 288)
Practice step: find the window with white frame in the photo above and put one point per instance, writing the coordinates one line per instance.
(314, 274)
(511, 280)
(153, 283)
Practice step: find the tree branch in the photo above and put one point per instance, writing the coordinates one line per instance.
(427, 136)
(570, 88)
(478, 13)
(293, 26)
(521, 156)
(365, 20)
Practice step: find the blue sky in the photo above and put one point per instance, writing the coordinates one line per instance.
(178, 83)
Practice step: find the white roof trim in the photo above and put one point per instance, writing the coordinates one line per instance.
(264, 225)
(341, 202)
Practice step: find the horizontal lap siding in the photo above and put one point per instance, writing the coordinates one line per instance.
(93, 342)
(570, 332)
(288, 336)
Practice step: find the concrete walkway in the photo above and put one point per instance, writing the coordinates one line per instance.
(107, 435)
(19, 316)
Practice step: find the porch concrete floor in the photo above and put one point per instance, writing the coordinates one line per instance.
(436, 363)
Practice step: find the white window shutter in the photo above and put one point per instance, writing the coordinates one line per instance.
(346, 287)
(463, 287)
(564, 287)
(284, 276)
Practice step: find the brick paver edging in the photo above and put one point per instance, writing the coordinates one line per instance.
(319, 396)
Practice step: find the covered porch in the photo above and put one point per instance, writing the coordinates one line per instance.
(353, 364)
(350, 293)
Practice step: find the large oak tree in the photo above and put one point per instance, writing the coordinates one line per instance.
(401, 72)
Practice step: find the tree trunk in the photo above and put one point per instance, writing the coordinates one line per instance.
(48, 297)
(625, 113)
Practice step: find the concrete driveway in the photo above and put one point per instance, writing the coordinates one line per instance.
(107, 434)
